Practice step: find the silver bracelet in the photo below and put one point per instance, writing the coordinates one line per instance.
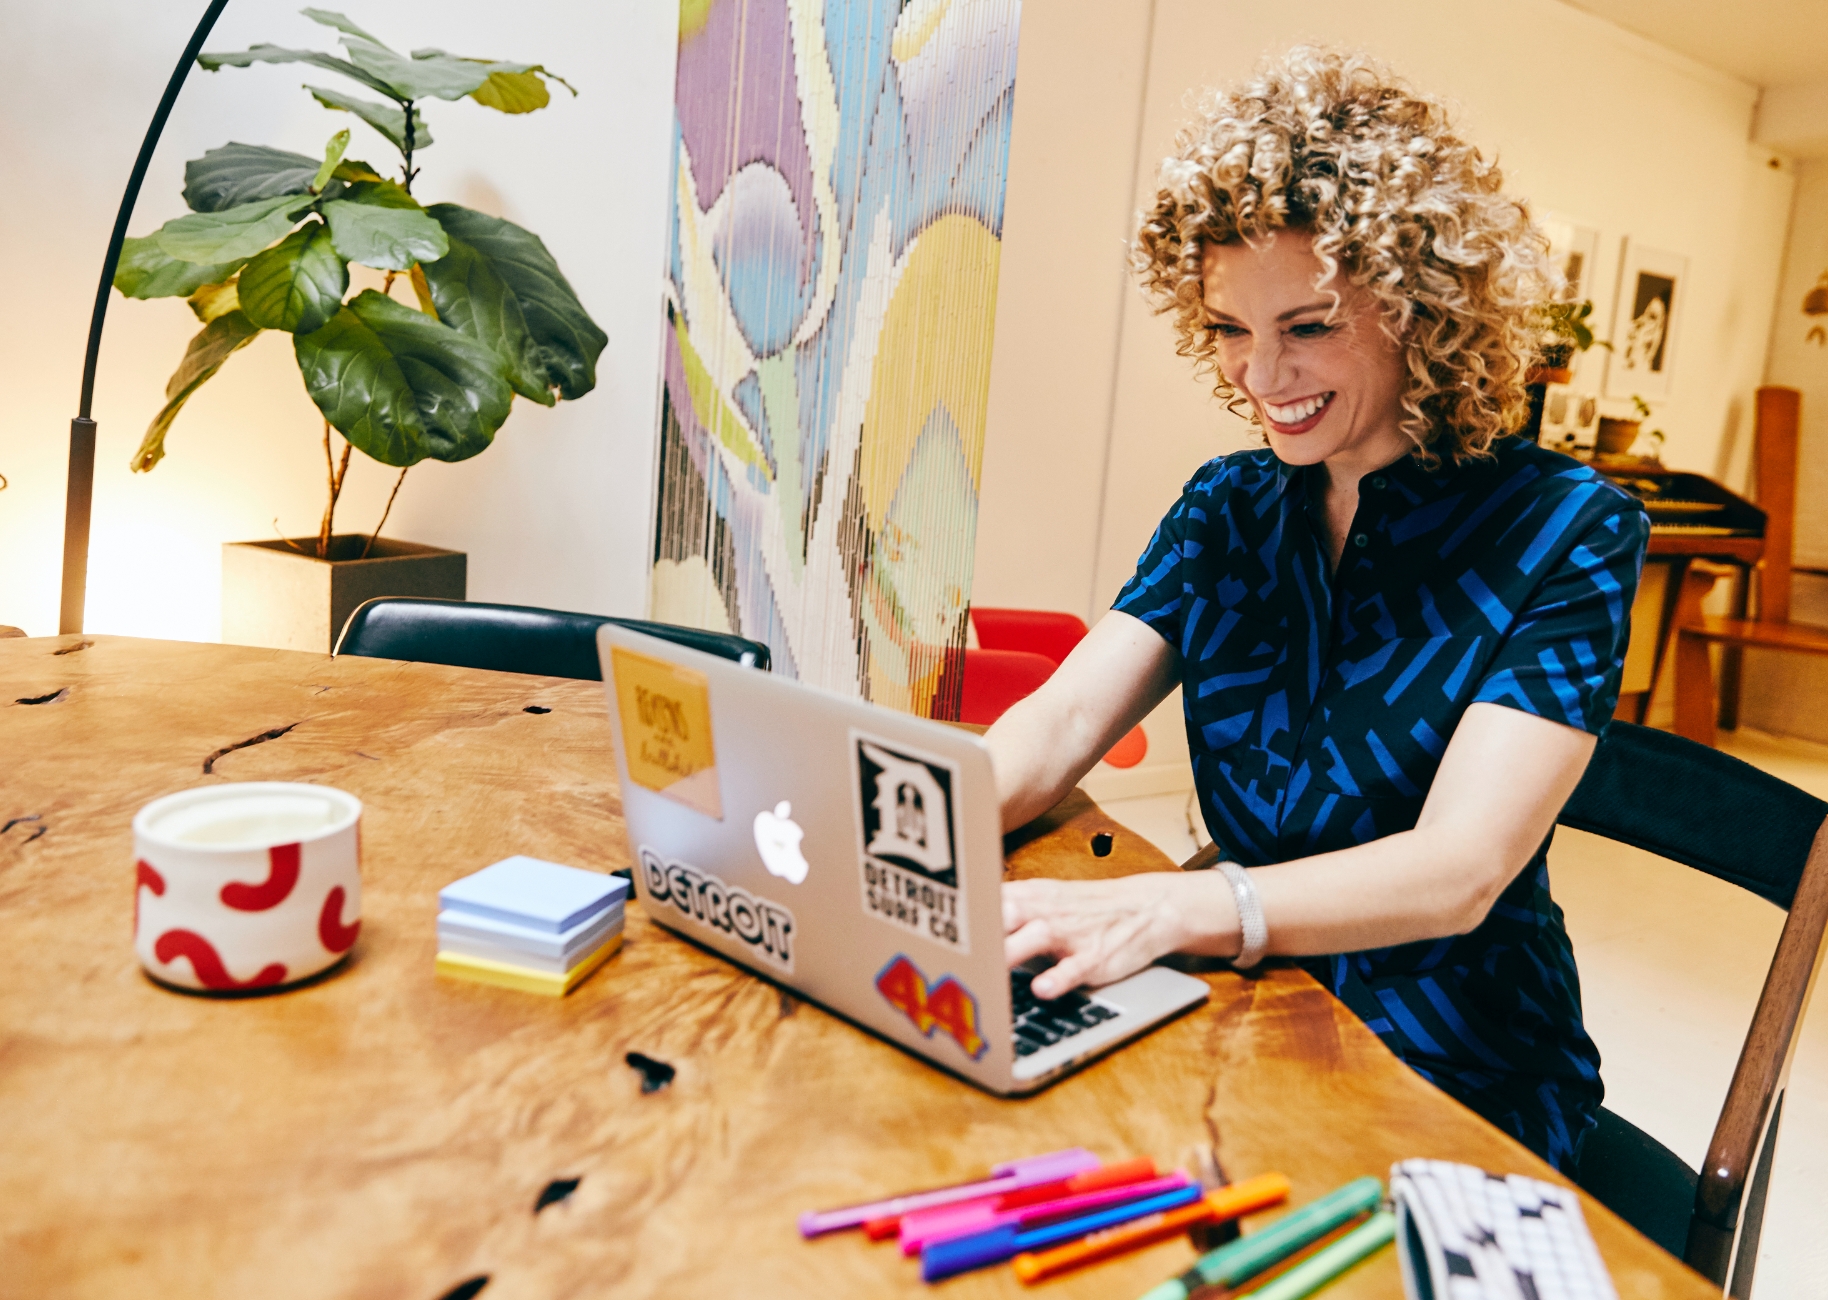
(1250, 916)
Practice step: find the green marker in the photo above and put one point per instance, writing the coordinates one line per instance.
(1310, 1275)
(1249, 1256)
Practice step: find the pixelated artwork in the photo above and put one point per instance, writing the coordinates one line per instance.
(831, 288)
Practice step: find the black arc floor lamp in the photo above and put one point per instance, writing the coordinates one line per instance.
(80, 486)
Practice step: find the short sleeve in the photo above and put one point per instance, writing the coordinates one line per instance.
(1563, 654)
(1153, 594)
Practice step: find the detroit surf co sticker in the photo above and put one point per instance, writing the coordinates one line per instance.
(907, 840)
(766, 927)
(947, 1005)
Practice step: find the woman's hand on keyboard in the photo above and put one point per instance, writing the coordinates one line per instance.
(1102, 930)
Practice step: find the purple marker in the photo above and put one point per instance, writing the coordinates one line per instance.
(1010, 1177)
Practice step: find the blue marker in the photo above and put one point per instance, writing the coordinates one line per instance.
(994, 1245)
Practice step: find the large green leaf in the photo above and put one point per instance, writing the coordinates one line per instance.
(402, 386)
(438, 76)
(233, 234)
(331, 18)
(378, 224)
(241, 173)
(469, 296)
(388, 119)
(296, 285)
(510, 87)
(569, 341)
(146, 271)
(213, 345)
(265, 53)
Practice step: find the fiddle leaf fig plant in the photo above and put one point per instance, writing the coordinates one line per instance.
(270, 237)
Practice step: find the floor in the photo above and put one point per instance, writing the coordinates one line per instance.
(1671, 965)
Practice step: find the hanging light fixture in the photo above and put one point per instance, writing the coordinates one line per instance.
(80, 485)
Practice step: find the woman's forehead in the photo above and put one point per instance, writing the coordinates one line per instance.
(1280, 265)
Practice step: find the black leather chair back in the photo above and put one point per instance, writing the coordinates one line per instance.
(511, 638)
(1695, 805)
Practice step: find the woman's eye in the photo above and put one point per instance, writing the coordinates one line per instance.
(1311, 330)
(1226, 330)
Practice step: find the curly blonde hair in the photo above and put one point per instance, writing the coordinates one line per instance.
(1396, 203)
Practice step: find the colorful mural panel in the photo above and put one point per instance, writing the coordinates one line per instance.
(830, 295)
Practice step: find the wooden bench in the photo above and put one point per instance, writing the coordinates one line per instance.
(1696, 705)
(1777, 423)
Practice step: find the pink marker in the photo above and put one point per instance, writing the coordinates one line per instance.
(926, 1223)
(1010, 1177)
(971, 1220)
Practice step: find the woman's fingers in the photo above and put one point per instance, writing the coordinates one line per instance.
(1066, 975)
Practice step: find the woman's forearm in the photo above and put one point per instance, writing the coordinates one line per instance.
(1503, 779)
(1043, 744)
(1411, 886)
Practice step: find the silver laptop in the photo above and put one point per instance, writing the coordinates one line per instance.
(851, 853)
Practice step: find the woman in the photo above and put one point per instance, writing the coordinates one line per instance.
(1397, 629)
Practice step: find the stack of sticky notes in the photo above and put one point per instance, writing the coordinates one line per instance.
(530, 925)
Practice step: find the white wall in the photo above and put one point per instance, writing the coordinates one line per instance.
(555, 514)
(1588, 121)
(1785, 692)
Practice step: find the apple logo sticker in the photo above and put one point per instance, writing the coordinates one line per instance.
(777, 839)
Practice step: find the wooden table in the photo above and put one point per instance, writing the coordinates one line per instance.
(385, 1133)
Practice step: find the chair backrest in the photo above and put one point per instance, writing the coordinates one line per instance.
(510, 638)
(1698, 806)
(996, 679)
(1038, 631)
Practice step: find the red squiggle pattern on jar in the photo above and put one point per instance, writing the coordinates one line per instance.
(203, 958)
(144, 875)
(331, 932)
(282, 875)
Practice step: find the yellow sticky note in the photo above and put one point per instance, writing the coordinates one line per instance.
(666, 726)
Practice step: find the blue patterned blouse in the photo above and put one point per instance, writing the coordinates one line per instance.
(1318, 705)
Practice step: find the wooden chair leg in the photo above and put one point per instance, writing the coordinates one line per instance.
(1695, 702)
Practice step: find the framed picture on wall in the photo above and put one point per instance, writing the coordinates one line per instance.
(1574, 248)
(1646, 314)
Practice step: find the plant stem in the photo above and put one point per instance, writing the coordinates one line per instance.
(336, 473)
(287, 540)
(409, 173)
(390, 509)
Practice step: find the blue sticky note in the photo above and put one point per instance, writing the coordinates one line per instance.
(539, 895)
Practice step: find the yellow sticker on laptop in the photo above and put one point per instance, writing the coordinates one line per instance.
(666, 729)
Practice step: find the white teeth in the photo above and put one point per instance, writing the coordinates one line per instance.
(1298, 411)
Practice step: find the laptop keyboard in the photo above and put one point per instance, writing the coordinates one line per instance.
(1042, 1024)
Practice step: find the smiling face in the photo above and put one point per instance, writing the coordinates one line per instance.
(1325, 382)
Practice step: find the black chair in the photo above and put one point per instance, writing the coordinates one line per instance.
(1697, 806)
(511, 638)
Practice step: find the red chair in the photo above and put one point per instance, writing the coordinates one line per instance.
(996, 679)
(1005, 670)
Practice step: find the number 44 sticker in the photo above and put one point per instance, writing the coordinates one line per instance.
(947, 1005)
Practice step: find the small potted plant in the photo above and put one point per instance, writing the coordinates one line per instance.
(1617, 437)
(1561, 332)
(268, 245)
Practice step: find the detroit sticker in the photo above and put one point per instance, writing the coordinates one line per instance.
(907, 840)
(666, 729)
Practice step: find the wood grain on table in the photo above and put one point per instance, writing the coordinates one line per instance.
(386, 1133)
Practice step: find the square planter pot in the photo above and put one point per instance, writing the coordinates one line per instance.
(273, 596)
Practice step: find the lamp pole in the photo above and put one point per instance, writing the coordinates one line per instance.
(79, 489)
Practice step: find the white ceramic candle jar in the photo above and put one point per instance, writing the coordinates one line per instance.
(247, 886)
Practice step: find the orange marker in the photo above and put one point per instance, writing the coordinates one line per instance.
(1225, 1203)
